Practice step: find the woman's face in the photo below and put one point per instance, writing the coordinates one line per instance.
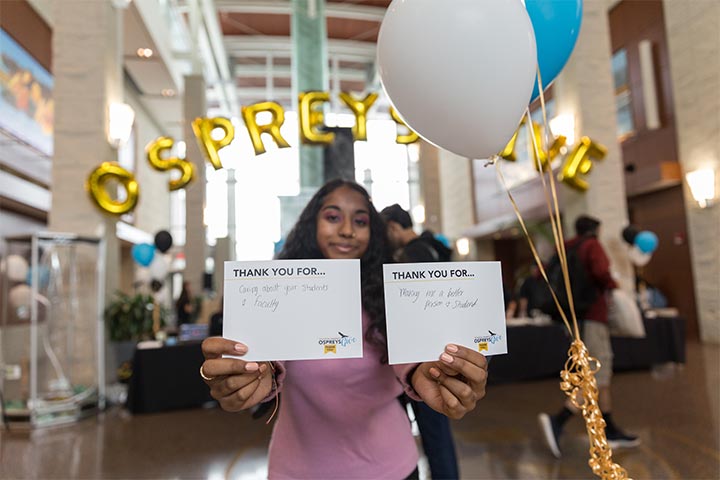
(343, 225)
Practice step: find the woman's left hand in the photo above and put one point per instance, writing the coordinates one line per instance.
(455, 383)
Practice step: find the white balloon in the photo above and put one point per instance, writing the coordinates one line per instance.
(159, 267)
(16, 267)
(638, 257)
(142, 275)
(461, 72)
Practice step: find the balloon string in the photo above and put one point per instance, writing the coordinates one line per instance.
(578, 376)
(533, 249)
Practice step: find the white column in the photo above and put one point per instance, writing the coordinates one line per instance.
(694, 45)
(585, 90)
(87, 66)
(195, 239)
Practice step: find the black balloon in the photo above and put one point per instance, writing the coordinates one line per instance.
(163, 241)
(156, 285)
(629, 233)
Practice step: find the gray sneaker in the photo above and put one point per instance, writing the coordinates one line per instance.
(551, 432)
(619, 439)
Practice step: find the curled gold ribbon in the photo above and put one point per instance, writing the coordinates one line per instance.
(578, 375)
(578, 381)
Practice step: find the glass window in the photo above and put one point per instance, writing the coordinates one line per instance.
(623, 98)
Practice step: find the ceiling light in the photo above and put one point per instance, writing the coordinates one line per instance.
(168, 92)
(144, 52)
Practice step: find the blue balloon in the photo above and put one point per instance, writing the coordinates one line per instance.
(43, 277)
(646, 241)
(442, 239)
(143, 253)
(557, 25)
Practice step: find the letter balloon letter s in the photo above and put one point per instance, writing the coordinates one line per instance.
(96, 186)
(311, 118)
(255, 131)
(203, 128)
(579, 162)
(154, 151)
(410, 137)
(360, 109)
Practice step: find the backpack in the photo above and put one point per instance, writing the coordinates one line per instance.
(583, 289)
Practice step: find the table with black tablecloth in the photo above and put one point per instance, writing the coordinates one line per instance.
(541, 351)
(167, 378)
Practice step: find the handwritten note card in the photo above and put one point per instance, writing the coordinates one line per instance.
(429, 305)
(294, 309)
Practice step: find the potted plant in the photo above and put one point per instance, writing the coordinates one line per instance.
(130, 319)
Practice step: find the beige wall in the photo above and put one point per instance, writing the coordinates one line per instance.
(693, 33)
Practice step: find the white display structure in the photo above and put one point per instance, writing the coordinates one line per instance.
(52, 335)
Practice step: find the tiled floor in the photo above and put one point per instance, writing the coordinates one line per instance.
(674, 410)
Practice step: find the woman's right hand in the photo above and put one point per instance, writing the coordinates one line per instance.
(235, 384)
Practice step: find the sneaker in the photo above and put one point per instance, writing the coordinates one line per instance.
(619, 439)
(551, 433)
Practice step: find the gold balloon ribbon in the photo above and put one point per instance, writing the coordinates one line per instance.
(578, 380)
(578, 376)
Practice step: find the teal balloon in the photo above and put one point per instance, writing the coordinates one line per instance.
(143, 253)
(557, 26)
(646, 241)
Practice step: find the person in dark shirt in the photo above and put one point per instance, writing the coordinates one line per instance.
(434, 428)
(531, 293)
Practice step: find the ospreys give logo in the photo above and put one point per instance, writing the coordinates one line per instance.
(330, 344)
(484, 340)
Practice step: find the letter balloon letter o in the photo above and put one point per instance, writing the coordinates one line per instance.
(96, 186)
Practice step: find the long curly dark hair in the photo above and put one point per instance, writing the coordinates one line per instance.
(301, 243)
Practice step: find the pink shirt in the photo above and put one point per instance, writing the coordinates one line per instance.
(342, 419)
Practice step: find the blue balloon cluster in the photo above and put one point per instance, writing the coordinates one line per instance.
(557, 26)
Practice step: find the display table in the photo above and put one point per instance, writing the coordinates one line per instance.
(167, 378)
(541, 351)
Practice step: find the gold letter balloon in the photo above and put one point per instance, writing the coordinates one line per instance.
(154, 151)
(579, 162)
(203, 128)
(96, 186)
(403, 139)
(360, 109)
(249, 115)
(311, 118)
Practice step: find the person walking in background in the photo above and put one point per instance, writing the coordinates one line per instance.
(596, 336)
(185, 306)
(341, 418)
(434, 427)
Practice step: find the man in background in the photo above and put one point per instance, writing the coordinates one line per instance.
(434, 427)
(595, 335)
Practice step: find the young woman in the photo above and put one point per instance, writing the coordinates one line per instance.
(341, 418)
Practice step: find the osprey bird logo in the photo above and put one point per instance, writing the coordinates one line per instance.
(491, 332)
(342, 335)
